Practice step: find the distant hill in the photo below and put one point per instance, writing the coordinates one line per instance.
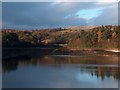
(75, 37)
(80, 27)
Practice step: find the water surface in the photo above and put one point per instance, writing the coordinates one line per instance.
(61, 71)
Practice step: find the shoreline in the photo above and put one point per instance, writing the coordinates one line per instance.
(113, 50)
(24, 52)
(96, 49)
(62, 48)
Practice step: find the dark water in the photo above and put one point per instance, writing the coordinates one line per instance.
(61, 71)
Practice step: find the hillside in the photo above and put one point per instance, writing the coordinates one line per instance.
(81, 27)
(72, 37)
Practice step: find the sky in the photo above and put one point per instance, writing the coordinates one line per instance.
(39, 15)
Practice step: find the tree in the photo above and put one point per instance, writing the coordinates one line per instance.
(10, 39)
(107, 34)
(99, 35)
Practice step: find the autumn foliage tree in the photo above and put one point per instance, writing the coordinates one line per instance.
(98, 37)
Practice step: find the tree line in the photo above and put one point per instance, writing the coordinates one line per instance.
(98, 37)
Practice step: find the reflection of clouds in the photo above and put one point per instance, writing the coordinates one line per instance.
(0, 80)
(86, 78)
(0, 67)
(109, 83)
(45, 76)
(61, 71)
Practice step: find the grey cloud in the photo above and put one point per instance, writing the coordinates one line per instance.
(119, 13)
(40, 14)
(34, 15)
(109, 16)
(0, 9)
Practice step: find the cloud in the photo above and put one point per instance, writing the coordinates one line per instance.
(1, 15)
(34, 15)
(108, 17)
(41, 14)
(60, 1)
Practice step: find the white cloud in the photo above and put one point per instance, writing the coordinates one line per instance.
(60, 0)
(108, 17)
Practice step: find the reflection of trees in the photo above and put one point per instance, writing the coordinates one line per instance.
(12, 64)
(75, 60)
(59, 60)
(102, 72)
(9, 66)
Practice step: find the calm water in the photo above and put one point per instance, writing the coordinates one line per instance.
(61, 71)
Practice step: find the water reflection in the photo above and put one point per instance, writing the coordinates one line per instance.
(98, 65)
(75, 70)
(102, 72)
